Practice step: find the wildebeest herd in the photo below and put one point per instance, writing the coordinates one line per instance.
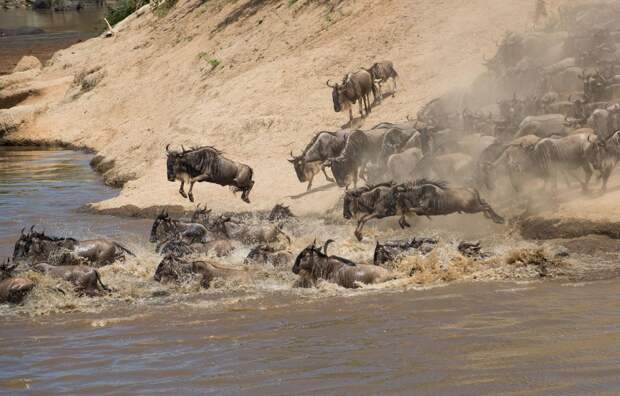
(546, 109)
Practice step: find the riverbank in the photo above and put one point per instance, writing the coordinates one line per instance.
(263, 99)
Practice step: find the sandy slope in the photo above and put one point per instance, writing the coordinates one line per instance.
(268, 95)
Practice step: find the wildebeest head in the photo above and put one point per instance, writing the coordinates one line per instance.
(201, 215)
(347, 205)
(382, 254)
(305, 259)
(174, 163)
(162, 221)
(6, 269)
(299, 164)
(172, 268)
(23, 244)
(280, 212)
(342, 94)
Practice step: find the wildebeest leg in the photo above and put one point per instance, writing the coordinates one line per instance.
(394, 90)
(245, 196)
(402, 222)
(190, 195)
(181, 191)
(490, 213)
(361, 106)
(310, 183)
(329, 179)
(360, 225)
(588, 173)
(351, 116)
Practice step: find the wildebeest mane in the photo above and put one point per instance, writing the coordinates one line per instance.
(437, 183)
(203, 158)
(53, 238)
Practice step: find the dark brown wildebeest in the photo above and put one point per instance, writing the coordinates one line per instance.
(164, 228)
(208, 164)
(68, 251)
(347, 166)
(324, 145)
(431, 198)
(381, 72)
(13, 289)
(313, 264)
(369, 202)
(173, 268)
(87, 280)
(391, 250)
(355, 86)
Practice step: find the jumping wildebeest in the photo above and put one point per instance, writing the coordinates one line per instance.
(13, 289)
(87, 280)
(164, 228)
(173, 268)
(324, 145)
(369, 202)
(391, 250)
(431, 198)
(381, 72)
(59, 251)
(355, 86)
(313, 264)
(266, 254)
(208, 164)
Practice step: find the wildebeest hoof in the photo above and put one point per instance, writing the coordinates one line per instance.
(191, 197)
(359, 236)
(183, 194)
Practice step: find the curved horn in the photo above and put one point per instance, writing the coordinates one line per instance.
(182, 148)
(325, 245)
(331, 85)
(168, 148)
(22, 231)
(32, 228)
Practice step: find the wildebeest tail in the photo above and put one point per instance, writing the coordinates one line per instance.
(124, 249)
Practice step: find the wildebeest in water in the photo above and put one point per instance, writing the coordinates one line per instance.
(208, 164)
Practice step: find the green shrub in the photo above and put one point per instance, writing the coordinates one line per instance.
(123, 9)
(214, 63)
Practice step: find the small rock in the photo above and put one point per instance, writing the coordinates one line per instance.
(27, 62)
(561, 251)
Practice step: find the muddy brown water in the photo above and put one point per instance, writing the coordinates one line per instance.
(526, 336)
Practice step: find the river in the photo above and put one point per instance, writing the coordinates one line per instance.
(533, 336)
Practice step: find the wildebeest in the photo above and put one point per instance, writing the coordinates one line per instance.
(181, 247)
(347, 166)
(566, 154)
(13, 289)
(543, 126)
(431, 198)
(267, 254)
(324, 145)
(313, 264)
(164, 228)
(87, 280)
(172, 268)
(381, 72)
(355, 86)
(391, 250)
(60, 251)
(401, 166)
(280, 212)
(369, 202)
(207, 163)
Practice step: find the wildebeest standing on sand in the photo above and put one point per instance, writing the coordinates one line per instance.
(323, 145)
(208, 164)
(313, 264)
(381, 72)
(355, 86)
